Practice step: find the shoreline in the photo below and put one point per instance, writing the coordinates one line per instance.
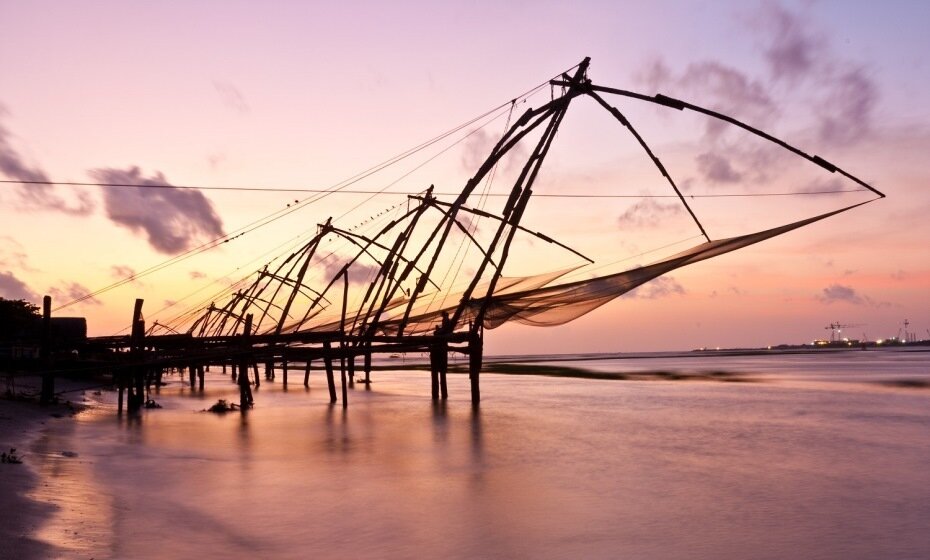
(22, 422)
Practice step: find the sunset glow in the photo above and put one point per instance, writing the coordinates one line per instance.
(302, 96)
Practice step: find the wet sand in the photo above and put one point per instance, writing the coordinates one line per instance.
(22, 421)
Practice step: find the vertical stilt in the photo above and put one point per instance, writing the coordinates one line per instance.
(121, 385)
(191, 374)
(200, 375)
(245, 392)
(136, 375)
(328, 362)
(307, 374)
(368, 365)
(258, 381)
(234, 373)
(443, 388)
(434, 372)
(284, 370)
(345, 390)
(269, 370)
(48, 379)
(474, 366)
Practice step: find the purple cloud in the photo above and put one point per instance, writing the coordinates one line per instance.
(838, 292)
(792, 49)
(647, 213)
(717, 169)
(71, 291)
(843, 94)
(122, 272)
(846, 111)
(12, 287)
(34, 197)
(846, 294)
(359, 272)
(172, 219)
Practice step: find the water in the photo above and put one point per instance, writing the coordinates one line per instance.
(824, 456)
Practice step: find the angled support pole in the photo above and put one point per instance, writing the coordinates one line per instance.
(655, 160)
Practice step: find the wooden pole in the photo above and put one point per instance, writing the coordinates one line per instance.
(434, 370)
(307, 373)
(245, 392)
(121, 389)
(48, 379)
(367, 364)
(443, 367)
(474, 365)
(345, 390)
(328, 362)
(135, 396)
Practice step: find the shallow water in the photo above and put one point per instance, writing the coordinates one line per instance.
(818, 459)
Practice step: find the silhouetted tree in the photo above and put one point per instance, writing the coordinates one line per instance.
(18, 319)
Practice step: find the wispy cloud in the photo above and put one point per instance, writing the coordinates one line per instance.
(70, 291)
(36, 197)
(12, 254)
(122, 272)
(196, 275)
(12, 287)
(477, 147)
(173, 220)
(845, 112)
(232, 97)
(647, 213)
(791, 46)
(717, 169)
(359, 272)
(799, 60)
(838, 293)
(661, 287)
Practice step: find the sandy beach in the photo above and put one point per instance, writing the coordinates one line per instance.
(22, 420)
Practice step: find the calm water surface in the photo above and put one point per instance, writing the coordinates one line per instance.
(824, 456)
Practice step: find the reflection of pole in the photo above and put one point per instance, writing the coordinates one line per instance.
(48, 379)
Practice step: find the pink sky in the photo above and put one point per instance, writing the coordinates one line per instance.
(304, 94)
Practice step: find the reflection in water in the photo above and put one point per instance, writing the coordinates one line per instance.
(82, 522)
(440, 422)
(547, 468)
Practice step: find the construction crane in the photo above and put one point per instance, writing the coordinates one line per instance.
(836, 329)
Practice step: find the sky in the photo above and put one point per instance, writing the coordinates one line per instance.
(305, 94)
